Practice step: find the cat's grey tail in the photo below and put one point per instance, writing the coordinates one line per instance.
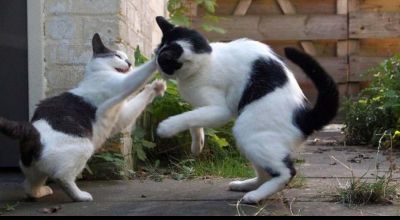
(18, 130)
(310, 120)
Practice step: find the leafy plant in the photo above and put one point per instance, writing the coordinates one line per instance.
(377, 109)
(220, 157)
(179, 10)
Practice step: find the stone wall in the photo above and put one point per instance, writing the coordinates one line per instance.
(70, 24)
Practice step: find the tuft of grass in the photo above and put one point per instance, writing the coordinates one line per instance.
(299, 161)
(360, 192)
(382, 190)
(298, 182)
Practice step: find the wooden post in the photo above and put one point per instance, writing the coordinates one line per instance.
(242, 7)
(288, 9)
(349, 47)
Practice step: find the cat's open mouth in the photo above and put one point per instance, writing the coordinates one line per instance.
(122, 70)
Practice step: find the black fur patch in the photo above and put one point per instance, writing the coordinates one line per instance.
(272, 173)
(290, 165)
(30, 148)
(199, 42)
(29, 137)
(309, 119)
(168, 59)
(69, 114)
(98, 47)
(267, 75)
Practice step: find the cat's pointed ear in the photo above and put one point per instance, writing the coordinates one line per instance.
(164, 24)
(98, 45)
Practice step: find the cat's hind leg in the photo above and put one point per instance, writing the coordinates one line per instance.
(282, 177)
(34, 184)
(70, 166)
(271, 158)
(69, 186)
(250, 184)
(66, 180)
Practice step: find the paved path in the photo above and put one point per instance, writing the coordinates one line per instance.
(211, 197)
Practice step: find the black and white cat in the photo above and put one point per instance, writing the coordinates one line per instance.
(68, 129)
(245, 79)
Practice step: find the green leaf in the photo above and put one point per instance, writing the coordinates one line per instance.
(210, 5)
(141, 154)
(180, 19)
(139, 57)
(148, 144)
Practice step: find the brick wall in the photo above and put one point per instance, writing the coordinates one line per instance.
(70, 24)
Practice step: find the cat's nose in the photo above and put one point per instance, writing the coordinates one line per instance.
(129, 63)
(167, 55)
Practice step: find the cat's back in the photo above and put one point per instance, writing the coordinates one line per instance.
(244, 49)
(67, 113)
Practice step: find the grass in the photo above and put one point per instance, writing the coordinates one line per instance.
(298, 182)
(382, 190)
(361, 192)
(228, 167)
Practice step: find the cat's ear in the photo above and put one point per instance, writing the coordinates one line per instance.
(98, 45)
(164, 24)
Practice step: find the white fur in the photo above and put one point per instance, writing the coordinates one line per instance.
(63, 156)
(214, 84)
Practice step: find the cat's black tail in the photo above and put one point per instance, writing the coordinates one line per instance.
(310, 120)
(18, 130)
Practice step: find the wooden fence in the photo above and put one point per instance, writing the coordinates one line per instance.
(348, 37)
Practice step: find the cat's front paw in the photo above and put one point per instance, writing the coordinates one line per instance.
(168, 129)
(159, 87)
(252, 198)
(84, 197)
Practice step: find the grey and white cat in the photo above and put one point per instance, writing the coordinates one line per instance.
(246, 80)
(68, 129)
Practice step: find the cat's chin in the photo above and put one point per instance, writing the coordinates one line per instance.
(123, 71)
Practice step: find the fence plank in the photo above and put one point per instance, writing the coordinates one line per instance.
(287, 7)
(374, 25)
(360, 65)
(242, 7)
(336, 67)
(287, 27)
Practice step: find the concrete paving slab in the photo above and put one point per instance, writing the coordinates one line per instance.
(210, 197)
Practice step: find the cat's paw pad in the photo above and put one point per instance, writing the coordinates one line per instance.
(84, 197)
(252, 198)
(159, 87)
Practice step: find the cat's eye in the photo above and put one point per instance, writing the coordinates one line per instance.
(118, 56)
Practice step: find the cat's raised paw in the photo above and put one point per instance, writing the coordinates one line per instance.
(168, 129)
(159, 86)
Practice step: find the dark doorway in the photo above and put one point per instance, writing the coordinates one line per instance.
(14, 100)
